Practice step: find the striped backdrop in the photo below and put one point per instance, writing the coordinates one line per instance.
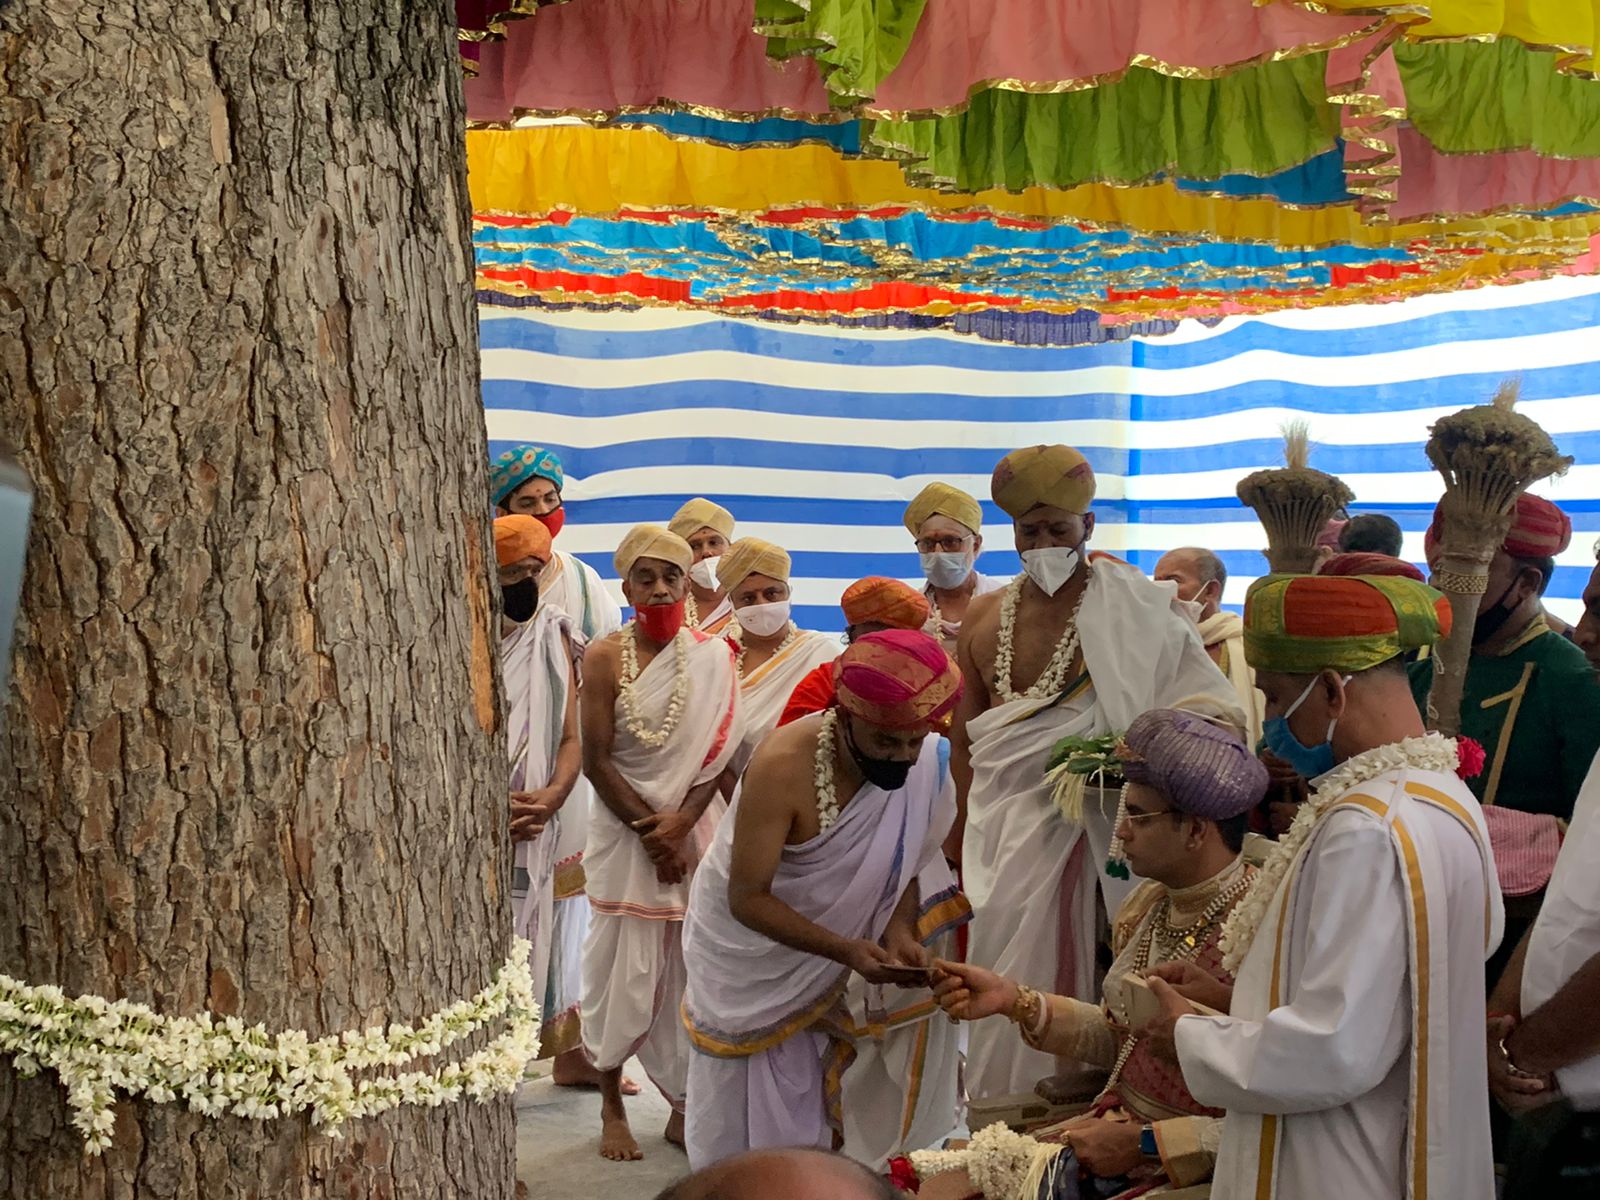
(816, 439)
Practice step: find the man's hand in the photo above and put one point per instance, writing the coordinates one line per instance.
(1159, 1034)
(670, 869)
(1195, 984)
(1517, 1092)
(903, 947)
(1288, 791)
(664, 828)
(970, 993)
(868, 960)
(531, 812)
(1106, 1149)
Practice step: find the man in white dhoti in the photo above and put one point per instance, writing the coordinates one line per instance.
(1544, 1039)
(812, 879)
(537, 658)
(708, 528)
(660, 721)
(947, 525)
(1065, 649)
(1201, 577)
(527, 480)
(773, 653)
(1351, 1060)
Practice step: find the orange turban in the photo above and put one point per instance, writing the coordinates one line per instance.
(517, 537)
(883, 601)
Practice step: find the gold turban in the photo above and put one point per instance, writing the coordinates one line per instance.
(1055, 475)
(651, 541)
(947, 501)
(751, 556)
(698, 514)
(520, 536)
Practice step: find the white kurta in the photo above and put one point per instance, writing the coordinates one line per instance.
(1567, 933)
(1030, 874)
(1225, 629)
(1363, 1012)
(633, 959)
(575, 587)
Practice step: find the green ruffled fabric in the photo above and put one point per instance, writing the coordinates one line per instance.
(1146, 125)
(1472, 97)
(856, 42)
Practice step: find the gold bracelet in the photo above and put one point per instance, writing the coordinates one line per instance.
(1025, 1010)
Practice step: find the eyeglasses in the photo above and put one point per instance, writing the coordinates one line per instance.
(1131, 817)
(950, 544)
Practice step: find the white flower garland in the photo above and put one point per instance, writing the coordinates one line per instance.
(691, 611)
(220, 1066)
(735, 633)
(1431, 752)
(1054, 677)
(1002, 1164)
(827, 801)
(630, 675)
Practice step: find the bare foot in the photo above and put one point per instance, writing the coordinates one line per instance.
(674, 1130)
(616, 1140)
(573, 1070)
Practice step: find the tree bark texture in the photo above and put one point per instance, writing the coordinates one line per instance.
(252, 760)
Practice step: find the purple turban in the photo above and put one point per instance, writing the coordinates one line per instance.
(1201, 768)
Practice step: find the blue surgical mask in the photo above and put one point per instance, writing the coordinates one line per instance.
(1309, 761)
(946, 568)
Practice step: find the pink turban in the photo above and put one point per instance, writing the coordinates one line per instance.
(1538, 529)
(897, 679)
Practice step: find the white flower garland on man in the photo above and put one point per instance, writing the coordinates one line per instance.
(220, 1066)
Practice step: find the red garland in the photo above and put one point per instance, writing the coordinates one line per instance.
(1470, 758)
(903, 1175)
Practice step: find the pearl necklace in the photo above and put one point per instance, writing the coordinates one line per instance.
(1431, 752)
(653, 738)
(1054, 677)
(827, 801)
(736, 634)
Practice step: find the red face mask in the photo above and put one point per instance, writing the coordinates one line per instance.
(553, 520)
(660, 622)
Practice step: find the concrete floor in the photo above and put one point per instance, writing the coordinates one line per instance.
(558, 1145)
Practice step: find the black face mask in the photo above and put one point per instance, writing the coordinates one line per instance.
(520, 600)
(1491, 619)
(887, 773)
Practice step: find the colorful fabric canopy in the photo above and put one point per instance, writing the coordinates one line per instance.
(1135, 161)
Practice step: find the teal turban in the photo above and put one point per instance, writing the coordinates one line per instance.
(518, 465)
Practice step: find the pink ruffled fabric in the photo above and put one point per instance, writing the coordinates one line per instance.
(1435, 182)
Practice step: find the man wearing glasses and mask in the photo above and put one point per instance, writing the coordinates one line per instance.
(946, 523)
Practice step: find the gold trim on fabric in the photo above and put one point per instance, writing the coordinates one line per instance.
(919, 1062)
(1422, 981)
(1371, 803)
(1537, 628)
(1266, 1162)
(1449, 804)
(1491, 789)
(803, 1019)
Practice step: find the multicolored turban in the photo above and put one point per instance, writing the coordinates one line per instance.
(651, 541)
(698, 514)
(897, 679)
(518, 536)
(518, 465)
(946, 501)
(1302, 624)
(1200, 768)
(881, 601)
(751, 556)
(1361, 563)
(1055, 475)
(1538, 529)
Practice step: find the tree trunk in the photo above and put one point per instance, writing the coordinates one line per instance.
(252, 761)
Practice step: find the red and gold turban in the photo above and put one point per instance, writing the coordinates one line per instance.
(897, 679)
(1538, 529)
(1354, 563)
(882, 601)
(518, 537)
(1302, 624)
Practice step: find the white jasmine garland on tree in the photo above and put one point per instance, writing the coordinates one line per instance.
(217, 1066)
(1431, 752)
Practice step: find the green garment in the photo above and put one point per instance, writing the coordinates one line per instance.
(1536, 711)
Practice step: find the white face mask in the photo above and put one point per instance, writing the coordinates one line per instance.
(763, 620)
(1050, 567)
(704, 574)
(946, 569)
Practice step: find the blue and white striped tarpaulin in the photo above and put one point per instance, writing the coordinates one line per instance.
(816, 439)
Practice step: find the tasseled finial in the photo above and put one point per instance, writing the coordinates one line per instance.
(1297, 444)
(1509, 393)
